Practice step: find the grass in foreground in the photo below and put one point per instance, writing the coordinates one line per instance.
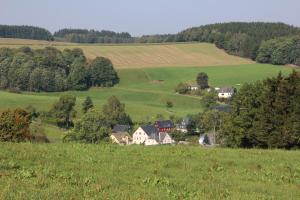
(74, 171)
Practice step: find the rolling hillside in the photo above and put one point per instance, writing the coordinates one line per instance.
(145, 55)
(145, 96)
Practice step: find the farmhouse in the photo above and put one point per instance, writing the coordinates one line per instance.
(122, 138)
(121, 128)
(150, 135)
(225, 92)
(147, 135)
(164, 125)
(182, 126)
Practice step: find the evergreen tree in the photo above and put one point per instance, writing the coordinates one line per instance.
(87, 104)
(202, 80)
(114, 112)
(64, 111)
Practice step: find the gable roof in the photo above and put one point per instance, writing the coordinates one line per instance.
(226, 90)
(150, 130)
(120, 128)
(164, 124)
(120, 135)
(162, 136)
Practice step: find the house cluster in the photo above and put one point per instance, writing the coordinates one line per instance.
(223, 93)
(154, 134)
(159, 132)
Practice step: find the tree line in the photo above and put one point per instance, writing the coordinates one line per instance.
(92, 36)
(25, 32)
(52, 70)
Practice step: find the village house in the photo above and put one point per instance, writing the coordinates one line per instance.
(121, 138)
(121, 128)
(182, 126)
(147, 135)
(225, 92)
(164, 126)
(150, 135)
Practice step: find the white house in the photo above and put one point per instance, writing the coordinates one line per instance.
(149, 135)
(225, 92)
(182, 126)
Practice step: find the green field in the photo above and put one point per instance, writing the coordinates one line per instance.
(74, 171)
(144, 96)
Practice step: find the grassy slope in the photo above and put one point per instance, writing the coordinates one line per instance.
(144, 55)
(111, 172)
(145, 98)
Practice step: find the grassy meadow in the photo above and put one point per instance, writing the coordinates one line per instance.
(145, 91)
(75, 171)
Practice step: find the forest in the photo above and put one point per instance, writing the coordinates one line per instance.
(92, 36)
(280, 51)
(265, 114)
(50, 70)
(25, 32)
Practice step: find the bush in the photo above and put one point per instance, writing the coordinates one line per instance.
(182, 88)
(14, 126)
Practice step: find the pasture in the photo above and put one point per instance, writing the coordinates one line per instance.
(145, 96)
(76, 171)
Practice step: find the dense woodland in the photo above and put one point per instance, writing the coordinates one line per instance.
(92, 36)
(25, 32)
(51, 70)
(280, 51)
(265, 114)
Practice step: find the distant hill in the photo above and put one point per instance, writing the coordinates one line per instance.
(242, 39)
(144, 55)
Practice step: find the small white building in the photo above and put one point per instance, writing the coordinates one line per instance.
(182, 126)
(194, 87)
(225, 92)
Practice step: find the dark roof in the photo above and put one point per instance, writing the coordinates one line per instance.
(120, 128)
(223, 108)
(150, 130)
(226, 90)
(164, 124)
